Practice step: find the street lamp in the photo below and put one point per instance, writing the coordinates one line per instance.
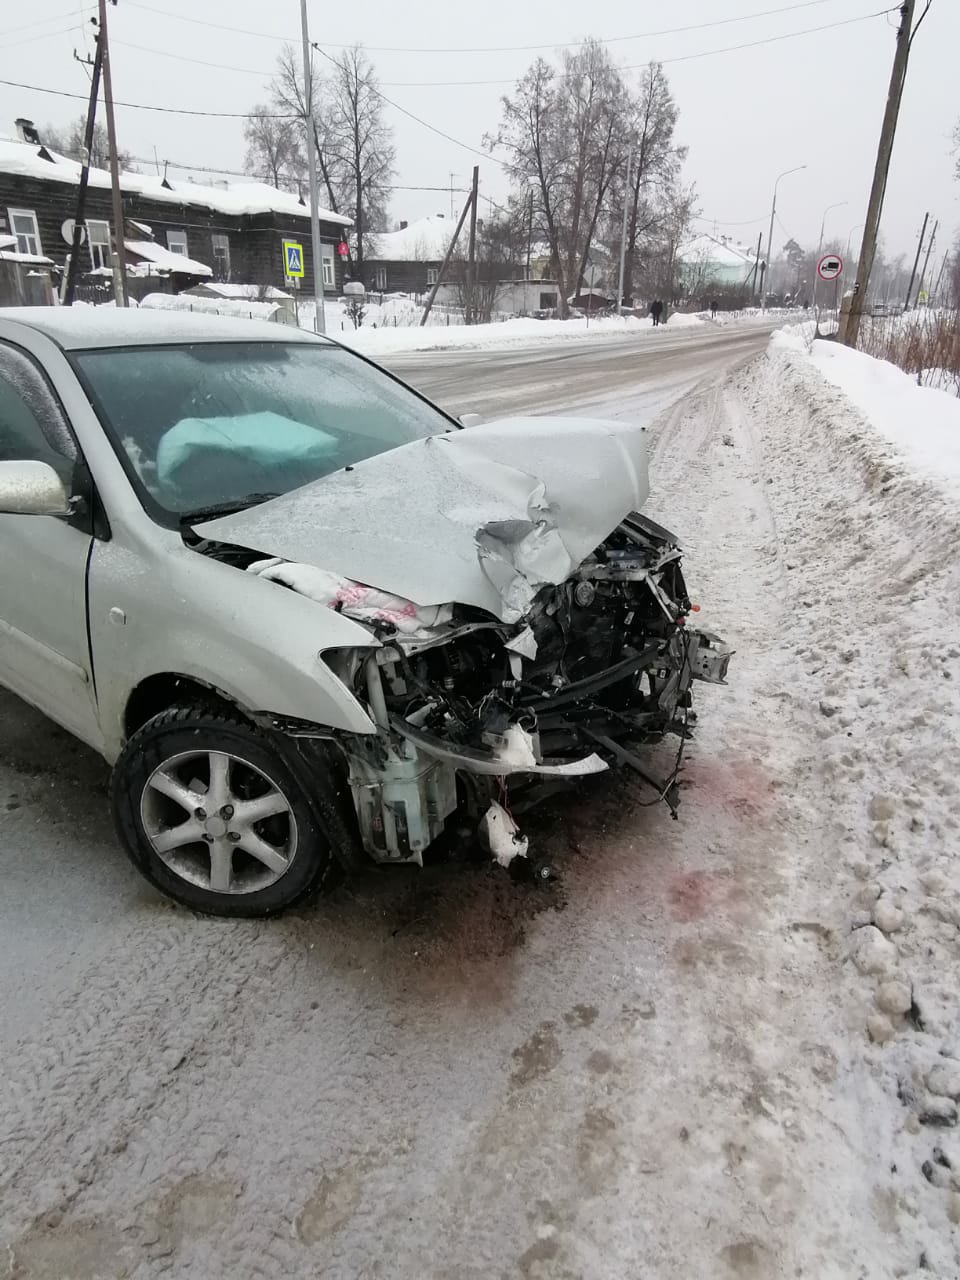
(823, 223)
(773, 210)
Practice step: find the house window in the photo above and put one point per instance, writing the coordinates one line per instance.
(98, 237)
(326, 258)
(432, 274)
(23, 224)
(381, 278)
(221, 256)
(177, 242)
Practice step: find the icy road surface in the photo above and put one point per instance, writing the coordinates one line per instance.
(442, 1075)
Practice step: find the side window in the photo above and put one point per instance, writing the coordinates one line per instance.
(32, 424)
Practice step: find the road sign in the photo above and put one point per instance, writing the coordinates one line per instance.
(829, 266)
(293, 259)
(343, 249)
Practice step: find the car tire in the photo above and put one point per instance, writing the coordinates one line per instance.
(247, 808)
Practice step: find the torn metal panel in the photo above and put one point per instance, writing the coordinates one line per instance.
(480, 518)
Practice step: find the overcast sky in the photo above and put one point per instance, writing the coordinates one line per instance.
(745, 115)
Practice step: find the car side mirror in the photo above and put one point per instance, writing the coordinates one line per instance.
(32, 489)
(470, 419)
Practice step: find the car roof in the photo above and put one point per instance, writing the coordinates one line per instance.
(81, 328)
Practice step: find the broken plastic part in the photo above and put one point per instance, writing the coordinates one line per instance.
(501, 835)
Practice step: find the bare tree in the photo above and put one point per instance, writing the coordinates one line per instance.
(272, 147)
(656, 163)
(498, 258)
(358, 142)
(69, 142)
(288, 97)
(565, 130)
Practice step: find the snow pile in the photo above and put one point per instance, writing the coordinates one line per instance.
(922, 423)
(868, 511)
(517, 332)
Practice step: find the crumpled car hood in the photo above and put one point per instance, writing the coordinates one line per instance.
(484, 517)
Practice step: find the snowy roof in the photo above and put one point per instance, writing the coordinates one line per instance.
(26, 160)
(425, 240)
(722, 253)
(164, 260)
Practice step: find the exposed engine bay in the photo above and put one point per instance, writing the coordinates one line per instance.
(528, 625)
(600, 667)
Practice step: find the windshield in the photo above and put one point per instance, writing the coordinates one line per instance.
(206, 428)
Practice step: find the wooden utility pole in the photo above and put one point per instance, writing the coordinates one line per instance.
(469, 316)
(756, 266)
(926, 260)
(446, 262)
(120, 261)
(70, 281)
(868, 248)
(916, 262)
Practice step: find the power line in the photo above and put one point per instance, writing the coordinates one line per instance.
(446, 84)
(484, 155)
(42, 22)
(42, 35)
(143, 106)
(243, 115)
(523, 48)
(238, 173)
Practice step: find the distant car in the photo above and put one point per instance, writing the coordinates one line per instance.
(306, 615)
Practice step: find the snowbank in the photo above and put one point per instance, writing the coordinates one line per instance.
(922, 423)
(864, 487)
(505, 334)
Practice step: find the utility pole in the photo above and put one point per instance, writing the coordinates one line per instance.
(623, 232)
(926, 261)
(469, 317)
(916, 262)
(446, 261)
(868, 248)
(120, 261)
(320, 318)
(756, 266)
(70, 280)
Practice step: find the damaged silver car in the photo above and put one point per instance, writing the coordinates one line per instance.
(309, 618)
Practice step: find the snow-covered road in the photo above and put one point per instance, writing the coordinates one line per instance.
(658, 1068)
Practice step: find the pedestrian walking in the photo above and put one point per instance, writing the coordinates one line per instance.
(713, 309)
(656, 311)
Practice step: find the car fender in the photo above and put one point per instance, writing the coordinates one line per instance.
(160, 608)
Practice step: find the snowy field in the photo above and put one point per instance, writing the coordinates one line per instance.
(724, 1048)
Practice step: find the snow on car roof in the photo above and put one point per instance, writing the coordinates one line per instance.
(80, 328)
(27, 160)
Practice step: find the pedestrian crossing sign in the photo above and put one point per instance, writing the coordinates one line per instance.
(293, 259)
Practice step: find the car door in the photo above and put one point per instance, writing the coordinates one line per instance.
(44, 649)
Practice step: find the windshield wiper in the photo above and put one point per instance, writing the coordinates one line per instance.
(226, 508)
